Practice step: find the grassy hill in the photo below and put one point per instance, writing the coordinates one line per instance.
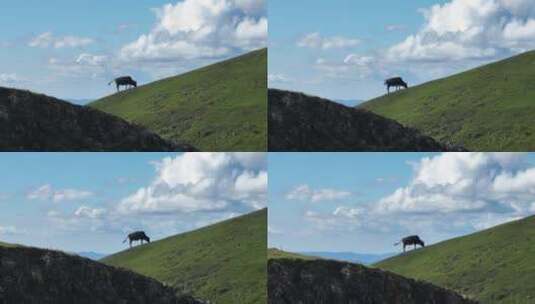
(493, 266)
(222, 263)
(221, 107)
(490, 108)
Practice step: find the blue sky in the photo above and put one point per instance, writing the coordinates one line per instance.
(344, 49)
(90, 201)
(365, 202)
(72, 49)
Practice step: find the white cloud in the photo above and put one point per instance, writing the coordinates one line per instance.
(470, 29)
(316, 41)
(305, 193)
(194, 182)
(449, 194)
(192, 29)
(46, 192)
(278, 78)
(88, 212)
(9, 79)
(70, 195)
(82, 66)
(90, 59)
(48, 39)
(395, 27)
(9, 230)
(41, 193)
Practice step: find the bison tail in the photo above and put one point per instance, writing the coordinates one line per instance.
(109, 83)
(395, 244)
(125, 240)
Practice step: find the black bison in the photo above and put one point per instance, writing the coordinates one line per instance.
(124, 81)
(137, 236)
(395, 82)
(411, 240)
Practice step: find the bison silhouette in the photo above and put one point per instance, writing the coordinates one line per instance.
(124, 81)
(137, 236)
(395, 82)
(411, 240)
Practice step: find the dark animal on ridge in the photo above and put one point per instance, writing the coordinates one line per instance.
(124, 81)
(411, 240)
(137, 236)
(396, 82)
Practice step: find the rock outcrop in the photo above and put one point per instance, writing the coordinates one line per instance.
(34, 122)
(31, 275)
(322, 281)
(298, 122)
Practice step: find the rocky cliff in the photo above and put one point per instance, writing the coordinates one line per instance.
(298, 122)
(33, 122)
(322, 281)
(31, 275)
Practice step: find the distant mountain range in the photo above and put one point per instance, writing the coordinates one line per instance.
(366, 259)
(92, 255)
(349, 102)
(81, 102)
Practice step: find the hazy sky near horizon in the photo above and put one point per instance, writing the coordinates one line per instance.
(344, 49)
(71, 49)
(365, 202)
(89, 201)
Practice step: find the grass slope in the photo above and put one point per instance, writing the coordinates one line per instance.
(490, 108)
(493, 266)
(222, 263)
(221, 107)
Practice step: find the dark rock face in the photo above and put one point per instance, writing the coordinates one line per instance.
(32, 122)
(332, 282)
(31, 275)
(298, 122)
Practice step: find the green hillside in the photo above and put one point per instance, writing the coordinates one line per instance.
(222, 263)
(274, 253)
(491, 108)
(221, 107)
(493, 266)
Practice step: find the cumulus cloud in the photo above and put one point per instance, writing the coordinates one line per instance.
(46, 192)
(203, 182)
(316, 41)
(192, 29)
(470, 29)
(449, 193)
(306, 193)
(48, 39)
